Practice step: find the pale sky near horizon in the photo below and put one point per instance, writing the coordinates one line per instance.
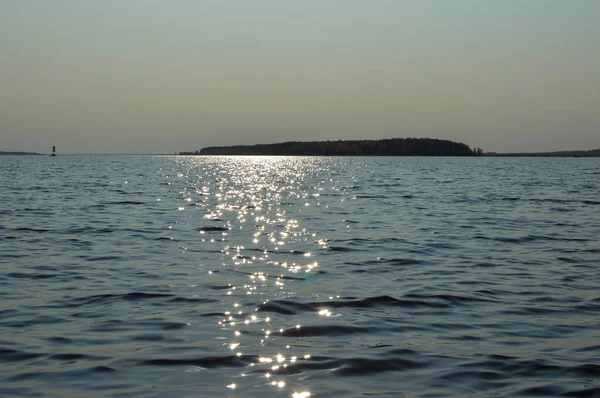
(149, 76)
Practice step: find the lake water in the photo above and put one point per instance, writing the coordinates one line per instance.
(166, 276)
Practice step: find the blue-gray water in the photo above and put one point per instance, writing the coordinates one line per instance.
(161, 276)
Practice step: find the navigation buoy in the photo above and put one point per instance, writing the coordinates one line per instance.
(53, 151)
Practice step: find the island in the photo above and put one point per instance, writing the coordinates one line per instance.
(382, 147)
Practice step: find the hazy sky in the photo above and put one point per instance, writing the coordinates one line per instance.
(149, 76)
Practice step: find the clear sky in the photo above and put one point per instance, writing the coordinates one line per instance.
(149, 76)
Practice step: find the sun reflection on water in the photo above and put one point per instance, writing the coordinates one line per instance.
(251, 211)
(303, 394)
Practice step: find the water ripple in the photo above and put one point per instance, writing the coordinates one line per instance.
(157, 276)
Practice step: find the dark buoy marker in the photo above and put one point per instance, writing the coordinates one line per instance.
(53, 151)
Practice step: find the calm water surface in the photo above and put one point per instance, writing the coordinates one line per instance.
(163, 276)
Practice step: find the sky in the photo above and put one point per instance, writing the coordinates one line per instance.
(150, 76)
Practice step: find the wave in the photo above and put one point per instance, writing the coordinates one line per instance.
(100, 299)
(229, 361)
(344, 249)
(30, 229)
(213, 229)
(127, 202)
(12, 356)
(292, 307)
(118, 325)
(396, 261)
(530, 238)
(34, 276)
(326, 330)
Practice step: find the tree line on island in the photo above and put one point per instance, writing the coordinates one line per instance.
(382, 147)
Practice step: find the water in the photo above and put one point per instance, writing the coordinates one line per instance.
(154, 276)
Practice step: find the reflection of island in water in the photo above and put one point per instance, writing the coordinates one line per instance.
(384, 147)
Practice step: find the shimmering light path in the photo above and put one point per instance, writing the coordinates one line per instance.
(251, 217)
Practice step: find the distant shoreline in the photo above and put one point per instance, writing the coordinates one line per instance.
(18, 153)
(558, 154)
(594, 153)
